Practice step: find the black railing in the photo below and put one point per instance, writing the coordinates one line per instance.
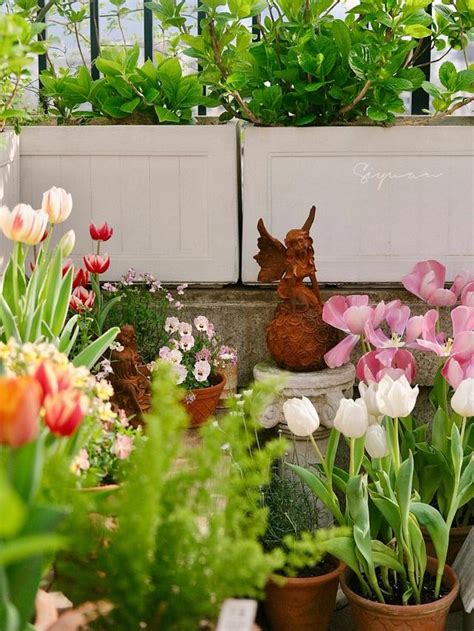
(420, 99)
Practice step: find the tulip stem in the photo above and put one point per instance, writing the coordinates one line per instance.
(318, 453)
(396, 446)
(352, 457)
(463, 428)
(16, 298)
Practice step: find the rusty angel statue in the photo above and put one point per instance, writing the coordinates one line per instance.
(297, 337)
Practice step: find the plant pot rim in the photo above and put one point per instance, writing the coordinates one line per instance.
(308, 581)
(454, 530)
(413, 611)
(213, 387)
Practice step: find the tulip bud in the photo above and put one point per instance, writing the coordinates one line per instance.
(100, 233)
(376, 441)
(396, 398)
(368, 394)
(462, 401)
(96, 263)
(20, 402)
(301, 416)
(64, 411)
(57, 204)
(67, 243)
(351, 418)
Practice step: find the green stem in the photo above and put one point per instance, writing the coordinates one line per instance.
(352, 457)
(463, 429)
(396, 445)
(16, 298)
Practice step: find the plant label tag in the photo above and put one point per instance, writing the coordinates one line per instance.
(464, 567)
(237, 615)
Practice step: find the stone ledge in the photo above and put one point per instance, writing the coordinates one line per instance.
(241, 314)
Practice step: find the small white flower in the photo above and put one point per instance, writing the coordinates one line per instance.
(180, 372)
(175, 356)
(172, 324)
(202, 370)
(201, 323)
(116, 346)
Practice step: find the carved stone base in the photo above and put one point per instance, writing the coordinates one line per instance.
(324, 388)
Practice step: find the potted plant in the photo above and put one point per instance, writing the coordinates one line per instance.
(389, 580)
(195, 354)
(319, 92)
(304, 599)
(388, 333)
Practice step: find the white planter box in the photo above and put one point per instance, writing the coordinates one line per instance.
(386, 198)
(171, 193)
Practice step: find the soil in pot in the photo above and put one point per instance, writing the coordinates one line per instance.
(305, 603)
(202, 402)
(431, 615)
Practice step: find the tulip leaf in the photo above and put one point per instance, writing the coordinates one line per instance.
(417, 544)
(456, 451)
(90, 355)
(8, 321)
(13, 509)
(431, 519)
(62, 304)
(466, 484)
(389, 510)
(318, 487)
(67, 332)
(52, 286)
(331, 449)
(439, 432)
(384, 556)
(403, 487)
(343, 548)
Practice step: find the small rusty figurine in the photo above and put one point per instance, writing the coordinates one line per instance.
(130, 380)
(297, 337)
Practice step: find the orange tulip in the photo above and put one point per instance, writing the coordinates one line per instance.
(20, 402)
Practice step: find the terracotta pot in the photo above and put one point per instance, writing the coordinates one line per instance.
(457, 536)
(302, 604)
(204, 401)
(368, 615)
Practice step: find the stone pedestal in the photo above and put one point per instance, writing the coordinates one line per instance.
(324, 388)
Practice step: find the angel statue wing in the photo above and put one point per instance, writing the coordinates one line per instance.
(309, 222)
(271, 257)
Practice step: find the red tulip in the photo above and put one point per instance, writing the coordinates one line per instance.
(20, 402)
(100, 233)
(64, 411)
(97, 263)
(81, 299)
(45, 376)
(81, 278)
(66, 265)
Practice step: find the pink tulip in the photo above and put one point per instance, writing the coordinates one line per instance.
(349, 314)
(81, 299)
(462, 319)
(427, 279)
(23, 224)
(460, 365)
(399, 322)
(467, 295)
(373, 366)
(64, 411)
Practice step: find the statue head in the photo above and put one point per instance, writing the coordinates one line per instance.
(127, 335)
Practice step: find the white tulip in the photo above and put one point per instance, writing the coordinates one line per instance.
(462, 401)
(396, 398)
(351, 418)
(376, 441)
(57, 204)
(301, 416)
(369, 395)
(67, 243)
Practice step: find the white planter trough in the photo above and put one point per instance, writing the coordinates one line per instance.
(9, 168)
(171, 194)
(386, 198)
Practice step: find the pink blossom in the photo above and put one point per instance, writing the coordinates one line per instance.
(203, 355)
(180, 373)
(395, 362)
(462, 319)
(169, 297)
(164, 352)
(399, 322)
(467, 295)
(211, 331)
(201, 323)
(349, 314)
(123, 446)
(178, 305)
(172, 324)
(181, 288)
(185, 328)
(186, 342)
(123, 418)
(81, 462)
(427, 279)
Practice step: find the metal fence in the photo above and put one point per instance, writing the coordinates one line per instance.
(420, 99)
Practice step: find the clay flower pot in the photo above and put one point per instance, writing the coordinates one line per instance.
(203, 401)
(368, 615)
(302, 604)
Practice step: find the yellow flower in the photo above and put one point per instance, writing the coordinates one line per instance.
(104, 390)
